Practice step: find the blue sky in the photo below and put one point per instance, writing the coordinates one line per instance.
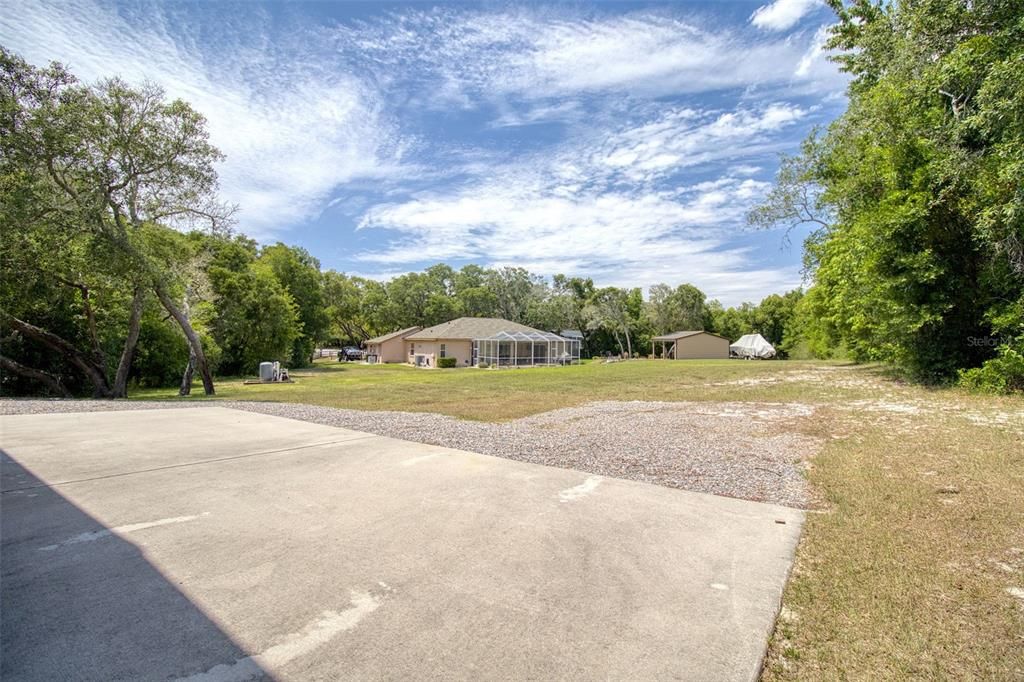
(618, 141)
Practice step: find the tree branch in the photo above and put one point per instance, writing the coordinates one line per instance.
(51, 382)
(95, 373)
(90, 318)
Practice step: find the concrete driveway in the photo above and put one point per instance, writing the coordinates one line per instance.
(214, 544)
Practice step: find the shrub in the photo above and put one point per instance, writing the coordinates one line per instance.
(1002, 374)
(483, 365)
(446, 363)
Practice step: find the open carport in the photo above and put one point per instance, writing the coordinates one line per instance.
(215, 544)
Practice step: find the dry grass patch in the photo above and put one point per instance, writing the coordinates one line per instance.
(908, 572)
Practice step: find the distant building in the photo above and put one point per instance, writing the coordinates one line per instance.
(389, 347)
(498, 342)
(693, 345)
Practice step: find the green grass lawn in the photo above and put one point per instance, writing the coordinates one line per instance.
(905, 569)
(498, 395)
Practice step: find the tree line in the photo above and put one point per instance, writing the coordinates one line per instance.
(119, 266)
(610, 319)
(916, 192)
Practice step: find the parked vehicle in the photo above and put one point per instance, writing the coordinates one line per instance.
(349, 353)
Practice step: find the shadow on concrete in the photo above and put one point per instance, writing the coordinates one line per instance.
(94, 609)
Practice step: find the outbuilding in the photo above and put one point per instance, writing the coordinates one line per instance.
(389, 347)
(692, 345)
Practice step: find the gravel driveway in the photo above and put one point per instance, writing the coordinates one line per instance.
(742, 450)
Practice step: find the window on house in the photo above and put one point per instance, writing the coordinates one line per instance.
(443, 351)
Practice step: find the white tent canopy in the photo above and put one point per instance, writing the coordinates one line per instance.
(752, 346)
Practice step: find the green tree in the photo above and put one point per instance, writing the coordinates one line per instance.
(299, 274)
(514, 289)
(679, 309)
(575, 294)
(618, 312)
(475, 298)
(342, 297)
(774, 317)
(254, 318)
(917, 186)
(381, 312)
(416, 299)
(96, 169)
(732, 323)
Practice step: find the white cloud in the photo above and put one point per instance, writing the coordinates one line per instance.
(814, 58)
(685, 138)
(782, 14)
(599, 207)
(563, 112)
(545, 53)
(316, 117)
(290, 134)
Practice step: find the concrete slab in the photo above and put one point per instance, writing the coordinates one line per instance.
(226, 545)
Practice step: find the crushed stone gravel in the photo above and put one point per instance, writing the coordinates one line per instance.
(736, 449)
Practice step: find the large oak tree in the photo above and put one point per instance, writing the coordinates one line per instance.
(88, 173)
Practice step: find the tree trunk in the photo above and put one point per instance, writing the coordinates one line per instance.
(193, 339)
(185, 388)
(581, 325)
(90, 320)
(186, 376)
(87, 365)
(629, 344)
(51, 382)
(618, 341)
(132, 340)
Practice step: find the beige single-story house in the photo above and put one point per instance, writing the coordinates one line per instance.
(496, 341)
(388, 347)
(697, 345)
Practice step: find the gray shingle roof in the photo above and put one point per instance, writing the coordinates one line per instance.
(392, 335)
(469, 328)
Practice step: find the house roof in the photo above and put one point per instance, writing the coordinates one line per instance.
(470, 328)
(393, 335)
(675, 336)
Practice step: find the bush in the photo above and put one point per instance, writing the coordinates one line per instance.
(446, 363)
(162, 353)
(1002, 374)
(483, 365)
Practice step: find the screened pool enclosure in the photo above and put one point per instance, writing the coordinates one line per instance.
(525, 349)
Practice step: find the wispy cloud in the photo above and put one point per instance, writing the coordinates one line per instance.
(544, 54)
(560, 112)
(684, 138)
(292, 129)
(781, 15)
(623, 145)
(601, 207)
